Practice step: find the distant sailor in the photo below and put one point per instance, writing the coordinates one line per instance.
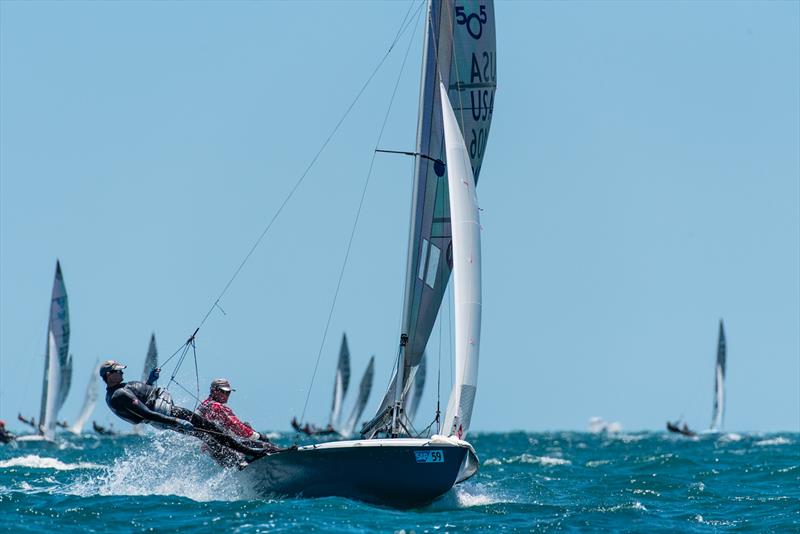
(103, 431)
(5, 435)
(29, 422)
(140, 402)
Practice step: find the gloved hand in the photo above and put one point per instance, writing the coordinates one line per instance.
(154, 374)
(184, 425)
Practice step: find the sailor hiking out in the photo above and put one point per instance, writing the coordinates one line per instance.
(142, 402)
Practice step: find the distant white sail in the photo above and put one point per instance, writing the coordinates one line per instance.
(341, 383)
(57, 363)
(364, 390)
(89, 401)
(719, 381)
(465, 224)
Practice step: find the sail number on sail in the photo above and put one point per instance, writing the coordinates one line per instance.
(482, 80)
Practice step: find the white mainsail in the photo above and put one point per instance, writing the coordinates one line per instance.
(719, 381)
(460, 51)
(466, 227)
(58, 362)
(341, 383)
(88, 402)
(364, 389)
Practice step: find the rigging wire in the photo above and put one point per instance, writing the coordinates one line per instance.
(401, 30)
(358, 215)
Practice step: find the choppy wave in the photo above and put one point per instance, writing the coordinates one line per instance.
(539, 481)
(34, 461)
(780, 440)
(538, 460)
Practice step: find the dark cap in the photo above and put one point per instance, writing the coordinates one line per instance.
(109, 366)
(222, 384)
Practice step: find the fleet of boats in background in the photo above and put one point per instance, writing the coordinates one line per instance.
(58, 367)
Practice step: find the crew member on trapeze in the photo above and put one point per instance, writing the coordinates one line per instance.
(140, 402)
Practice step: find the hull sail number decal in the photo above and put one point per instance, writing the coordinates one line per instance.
(435, 456)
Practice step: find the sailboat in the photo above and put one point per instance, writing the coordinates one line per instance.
(364, 389)
(151, 360)
(389, 465)
(719, 382)
(150, 363)
(718, 410)
(89, 401)
(57, 362)
(341, 381)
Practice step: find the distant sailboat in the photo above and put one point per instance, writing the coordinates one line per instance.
(89, 401)
(719, 382)
(151, 360)
(389, 465)
(719, 392)
(364, 389)
(341, 383)
(340, 386)
(57, 362)
(150, 363)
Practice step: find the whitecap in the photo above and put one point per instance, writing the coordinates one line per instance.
(780, 440)
(597, 463)
(635, 505)
(538, 460)
(37, 462)
(467, 495)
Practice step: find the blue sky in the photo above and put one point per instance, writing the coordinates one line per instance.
(641, 181)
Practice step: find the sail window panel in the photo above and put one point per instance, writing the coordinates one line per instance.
(433, 265)
(423, 255)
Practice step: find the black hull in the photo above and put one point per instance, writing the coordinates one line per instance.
(385, 475)
(677, 430)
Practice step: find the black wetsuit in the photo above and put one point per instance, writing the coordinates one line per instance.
(134, 402)
(6, 436)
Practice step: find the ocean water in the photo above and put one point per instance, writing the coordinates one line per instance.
(555, 481)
